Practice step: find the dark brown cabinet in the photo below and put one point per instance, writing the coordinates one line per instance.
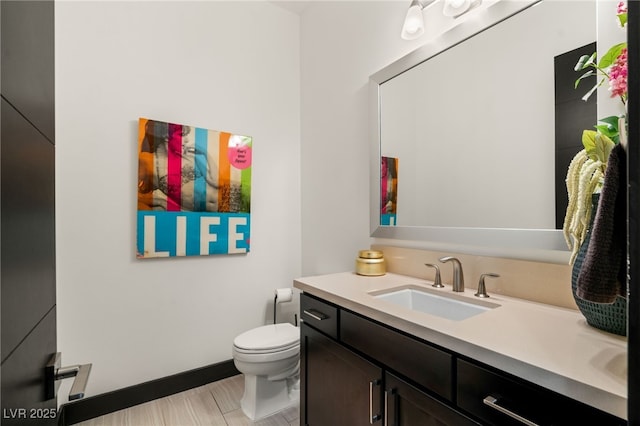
(498, 399)
(406, 405)
(341, 387)
(338, 387)
(429, 367)
(356, 371)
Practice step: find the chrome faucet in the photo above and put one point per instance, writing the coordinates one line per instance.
(482, 289)
(458, 277)
(437, 283)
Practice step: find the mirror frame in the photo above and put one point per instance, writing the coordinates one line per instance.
(538, 244)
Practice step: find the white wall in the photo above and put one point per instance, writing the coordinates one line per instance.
(229, 66)
(343, 43)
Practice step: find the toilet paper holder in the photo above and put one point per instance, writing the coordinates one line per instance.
(281, 295)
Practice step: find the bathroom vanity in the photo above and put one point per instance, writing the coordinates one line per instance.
(366, 359)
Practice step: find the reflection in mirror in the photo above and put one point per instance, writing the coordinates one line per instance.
(388, 190)
(473, 126)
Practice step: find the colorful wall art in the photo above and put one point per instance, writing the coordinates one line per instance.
(388, 190)
(194, 191)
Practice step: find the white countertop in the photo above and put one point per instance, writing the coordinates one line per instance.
(550, 346)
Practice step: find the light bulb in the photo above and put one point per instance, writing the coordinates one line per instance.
(455, 7)
(413, 23)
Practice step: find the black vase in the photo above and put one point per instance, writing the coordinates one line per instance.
(610, 317)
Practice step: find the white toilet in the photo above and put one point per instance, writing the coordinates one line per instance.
(269, 358)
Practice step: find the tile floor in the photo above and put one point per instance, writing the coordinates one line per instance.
(216, 404)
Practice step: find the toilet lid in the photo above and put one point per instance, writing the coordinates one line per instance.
(268, 337)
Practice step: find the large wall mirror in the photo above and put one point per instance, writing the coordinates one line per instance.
(468, 124)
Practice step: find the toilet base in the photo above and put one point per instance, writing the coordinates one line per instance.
(263, 397)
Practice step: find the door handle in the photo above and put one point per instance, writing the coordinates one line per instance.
(493, 403)
(54, 373)
(373, 417)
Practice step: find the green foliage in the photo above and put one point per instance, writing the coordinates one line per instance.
(597, 145)
(585, 61)
(609, 128)
(622, 17)
(601, 67)
(612, 54)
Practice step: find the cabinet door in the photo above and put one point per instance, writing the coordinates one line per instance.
(338, 387)
(424, 364)
(406, 405)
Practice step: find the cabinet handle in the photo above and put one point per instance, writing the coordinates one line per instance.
(316, 315)
(493, 403)
(390, 407)
(373, 417)
(386, 408)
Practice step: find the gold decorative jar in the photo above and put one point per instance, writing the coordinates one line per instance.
(370, 263)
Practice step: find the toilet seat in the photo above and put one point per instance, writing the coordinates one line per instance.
(267, 351)
(265, 357)
(269, 359)
(268, 339)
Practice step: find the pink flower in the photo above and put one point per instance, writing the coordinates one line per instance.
(622, 8)
(621, 13)
(618, 76)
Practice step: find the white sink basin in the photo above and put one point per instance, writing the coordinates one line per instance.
(434, 302)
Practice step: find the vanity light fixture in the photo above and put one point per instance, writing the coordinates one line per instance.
(414, 21)
(456, 8)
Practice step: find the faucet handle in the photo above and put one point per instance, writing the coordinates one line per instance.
(482, 290)
(437, 283)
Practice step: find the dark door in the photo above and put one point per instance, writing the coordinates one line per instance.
(408, 406)
(27, 211)
(340, 387)
(572, 116)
